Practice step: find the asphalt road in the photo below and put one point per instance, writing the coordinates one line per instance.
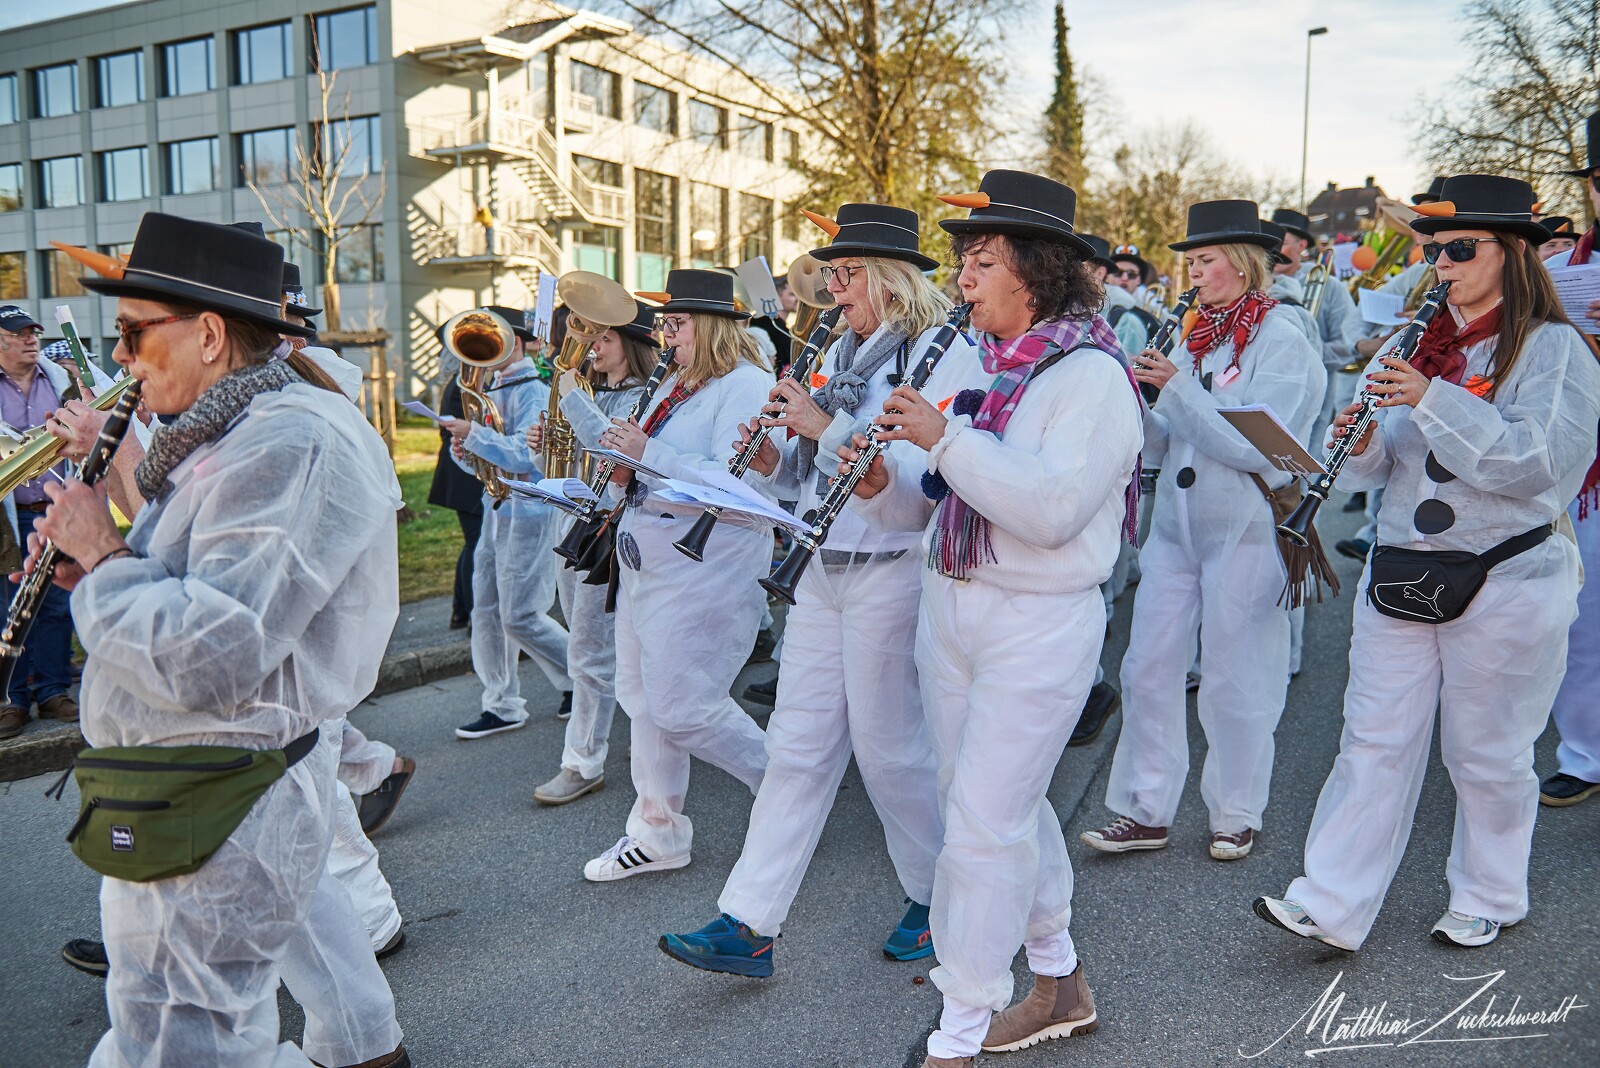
(513, 960)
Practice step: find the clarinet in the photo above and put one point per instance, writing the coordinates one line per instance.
(1167, 337)
(1297, 527)
(693, 544)
(30, 594)
(786, 576)
(575, 545)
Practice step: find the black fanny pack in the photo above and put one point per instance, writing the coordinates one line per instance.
(1436, 587)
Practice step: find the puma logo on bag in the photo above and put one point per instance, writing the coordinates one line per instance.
(1395, 595)
(1411, 593)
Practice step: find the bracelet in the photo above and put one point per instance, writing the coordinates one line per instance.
(112, 555)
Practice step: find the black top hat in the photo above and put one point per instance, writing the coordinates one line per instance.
(1436, 191)
(1018, 204)
(872, 230)
(1100, 250)
(1558, 226)
(705, 292)
(1225, 222)
(521, 321)
(1275, 256)
(296, 293)
(1296, 222)
(1483, 202)
(224, 269)
(643, 326)
(1130, 254)
(1591, 136)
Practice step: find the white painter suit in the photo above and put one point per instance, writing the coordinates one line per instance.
(1212, 558)
(1576, 711)
(513, 567)
(1462, 473)
(684, 628)
(256, 609)
(1005, 660)
(848, 679)
(592, 648)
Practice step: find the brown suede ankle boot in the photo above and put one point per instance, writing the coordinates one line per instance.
(1055, 1008)
(930, 1061)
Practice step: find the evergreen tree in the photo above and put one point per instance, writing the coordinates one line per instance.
(1063, 119)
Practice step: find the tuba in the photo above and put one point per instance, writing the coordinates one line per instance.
(480, 340)
(595, 304)
(805, 282)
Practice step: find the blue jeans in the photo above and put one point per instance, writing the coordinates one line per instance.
(45, 667)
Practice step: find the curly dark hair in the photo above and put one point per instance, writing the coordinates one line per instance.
(1056, 276)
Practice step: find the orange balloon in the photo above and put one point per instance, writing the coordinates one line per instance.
(1363, 258)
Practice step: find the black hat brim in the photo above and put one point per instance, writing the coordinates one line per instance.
(880, 252)
(181, 292)
(1572, 174)
(701, 307)
(1018, 228)
(1241, 237)
(637, 333)
(1304, 235)
(1532, 231)
(305, 312)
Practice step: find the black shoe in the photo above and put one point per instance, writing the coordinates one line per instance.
(1357, 502)
(1559, 790)
(762, 693)
(487, 724)
(1354, 548)
(393, 945)
(459, 622)
(376, 807)
(87, 955)
(766, 642)
(564, 710)
(1103, 700)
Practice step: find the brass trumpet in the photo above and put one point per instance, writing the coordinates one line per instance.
(39, 450)
(480, 340)
(595, 304)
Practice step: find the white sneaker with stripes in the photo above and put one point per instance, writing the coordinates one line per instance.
(1459, 929)
(627, 858)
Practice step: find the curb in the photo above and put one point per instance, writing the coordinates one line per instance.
(50, 745)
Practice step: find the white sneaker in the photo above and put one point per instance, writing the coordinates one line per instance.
(625, 859)
(1292, 917)
(1461, 930)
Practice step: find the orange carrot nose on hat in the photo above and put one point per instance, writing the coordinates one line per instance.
(704, 292)
(823, 223)
(879, 231)
(1019, 204)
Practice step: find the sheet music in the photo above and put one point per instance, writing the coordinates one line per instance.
(730, 495)
(1381, 309)
(1577, 286)
(563, 493)
(418, 408)
(622, 459)
(1262, 428)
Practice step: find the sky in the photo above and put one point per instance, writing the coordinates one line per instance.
(1234, 67)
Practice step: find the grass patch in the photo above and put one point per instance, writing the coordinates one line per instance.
(431, 541)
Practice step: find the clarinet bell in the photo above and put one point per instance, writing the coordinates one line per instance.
(693, 544)
(571, 547)
(786, 576)
(1297, 527)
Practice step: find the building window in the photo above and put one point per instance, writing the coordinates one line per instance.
(755, 227)
(655, 108)
(55, 90)
(344, 38)
(295, 251)
(119, 79)
(792, 139)
(8, 99)
(752, 137)
(10, 187)
(124, 174)
(187, 67)
(264, 157)
(191, 165)
(350, 146)
(360, 254)
(708, 224)
(122, 250)
(599, 171)
(599, 85)
(655, 228)
(59, 182)
(596, 250)
(261, 54)
(13, 276)
(708, 124)
(59, 275)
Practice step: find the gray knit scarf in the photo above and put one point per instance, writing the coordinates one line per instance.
(205, 420)
(854, 367)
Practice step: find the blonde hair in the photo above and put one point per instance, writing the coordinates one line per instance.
(720, 342)
(1251, 261)
(902, 296)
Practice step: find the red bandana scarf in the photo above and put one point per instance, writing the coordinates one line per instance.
(1585, 249)
(1237, 323)
(664, 410)
(1442, 351)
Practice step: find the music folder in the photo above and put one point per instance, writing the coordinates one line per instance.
(1262, 428)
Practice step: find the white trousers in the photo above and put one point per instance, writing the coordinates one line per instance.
(1577, 707)
(592, 662)
(847, 683)
(513, 587)
(353, 862)
(1244, 659)
(1493, 674)
(363, 762)
(1003, 677)
(684, 630)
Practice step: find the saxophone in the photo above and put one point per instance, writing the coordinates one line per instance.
(595, 304)
(480, 340)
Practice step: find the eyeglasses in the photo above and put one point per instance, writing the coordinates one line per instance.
(1127, 272)
(1461, 250)
(129, 332)
(671, 324)
(844, 274)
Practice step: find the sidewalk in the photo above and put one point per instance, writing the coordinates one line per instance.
(422, 649)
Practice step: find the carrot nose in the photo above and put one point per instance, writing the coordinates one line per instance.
(825, 224)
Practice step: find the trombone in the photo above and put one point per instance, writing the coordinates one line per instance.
(1317, 281)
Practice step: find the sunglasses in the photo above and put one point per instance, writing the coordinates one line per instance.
(1461, 250)
(129, 332)
(1127, 272)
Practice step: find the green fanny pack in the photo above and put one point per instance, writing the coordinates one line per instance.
(154, 812)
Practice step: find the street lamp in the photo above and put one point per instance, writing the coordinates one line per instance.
(1305, 123)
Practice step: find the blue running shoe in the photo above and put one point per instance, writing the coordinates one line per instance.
(723, 945)
(911, 940)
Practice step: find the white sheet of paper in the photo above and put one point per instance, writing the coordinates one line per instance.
(1342, 267)
(757, 278)
(544, 308)
(1381, 309)
(1262, 428)
(1577, 286)
(741, 499)
(562, 493)
(418, 408)
(622, 459)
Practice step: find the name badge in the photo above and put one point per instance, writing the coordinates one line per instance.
(1227, 377)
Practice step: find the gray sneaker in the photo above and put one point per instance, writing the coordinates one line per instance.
(567, 786)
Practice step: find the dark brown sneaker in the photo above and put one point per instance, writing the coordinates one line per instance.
(12, 719)
(61, 706)
(1232, 846)
(1123, 835)
(398, 1059)
(1055, 1008)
